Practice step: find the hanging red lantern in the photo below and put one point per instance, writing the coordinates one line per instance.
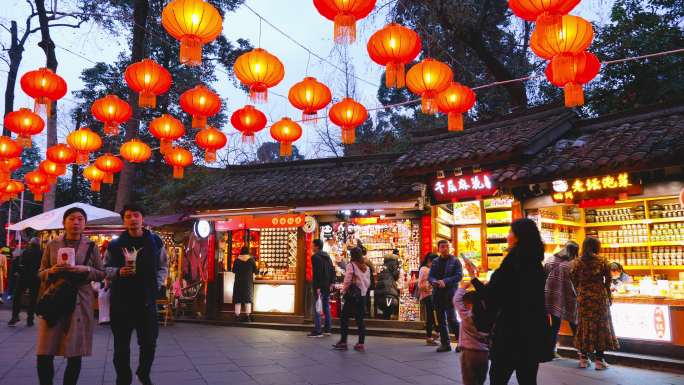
(286, 132)
(135, 151)
(178, 158)
(112, 111)
(259, 70)
(95, 176)
(530, 10)
(110, 165)
(309, 95)
(348, 114)
(193, 22)
(345, 14)
(37, 182)
(148, 79)
(456, 100)
(45, 87)
(8, 166)
(11, 189)
(61, 153)
(201, 103)
(566, 35)
(166, 128)
(427, 79)
(394, 46)
(52, 170)
(84, 141)
(249, 121)
(9, 148)
(24, 123)
(211, 140)
(582, 69)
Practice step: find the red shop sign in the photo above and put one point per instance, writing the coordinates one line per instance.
(261, 222)
(457, 188)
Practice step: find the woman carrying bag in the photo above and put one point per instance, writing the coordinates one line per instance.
(354, 290)
(69, 264)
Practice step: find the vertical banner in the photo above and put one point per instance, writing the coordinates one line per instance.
(309, 267)
(211, 257)
(425, 235)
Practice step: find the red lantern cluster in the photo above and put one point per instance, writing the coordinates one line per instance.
(456, 100)
(24, 123)
(571, 75)
(201, 103)
(309, 95)
(112, 111)
(45, 87)
(178, 158)
(37, 182)
(211, 140)
(248, 120)
(148, 79)
(286, 132)
(345, 14)
(348, 114)
(394, 46)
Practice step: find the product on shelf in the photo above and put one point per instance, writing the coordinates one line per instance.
(278, 253)
(667, 232)
(671, 210)
(616, 214)
(627, 256)
(636, 233)
(668, 256)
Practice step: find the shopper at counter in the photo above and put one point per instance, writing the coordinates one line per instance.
(323, 276)
(618, 276)
(561, 300)
(386, 289)
(425, 297)
(244, 269)
(445, 274)
(591, 276)
(354, 291)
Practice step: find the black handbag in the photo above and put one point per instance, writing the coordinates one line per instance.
(353, 291)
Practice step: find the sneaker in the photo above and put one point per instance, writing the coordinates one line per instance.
(314, 335)
(13, 322)
(601, 364)
(327, 333)
(359, 348)
(584, 362)
(29, 322)
(340, 346)
(145, 380)
(431, 342)
(444, 348)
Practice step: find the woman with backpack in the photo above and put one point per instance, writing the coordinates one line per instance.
(354, 290)
(69, 264)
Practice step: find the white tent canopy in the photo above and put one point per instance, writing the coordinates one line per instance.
(52, 220)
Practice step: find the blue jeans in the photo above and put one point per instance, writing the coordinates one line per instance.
(325, 300)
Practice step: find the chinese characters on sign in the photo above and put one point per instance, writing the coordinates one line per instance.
(463, 187)
(593, 187)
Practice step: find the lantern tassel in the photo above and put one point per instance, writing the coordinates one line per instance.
(24, 141)
(248, 138)
(345, 29)
(111, 129)
(285, 149)
(82, 157)
(147, 100)
(178, 172)
(428, 104)
(574, 95)
(95, 185)
(109, 178)
(165, 146)
(348, 135)
(191, 51)
(210, 156)
(391, 75)
(563, 69)
(43, 104)
(52, 179)
(310, 118)
(38, 197)
(401, 75)
(199, 121)
(258, 93)
(455, 121)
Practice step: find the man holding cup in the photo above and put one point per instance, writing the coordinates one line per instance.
(137, 265)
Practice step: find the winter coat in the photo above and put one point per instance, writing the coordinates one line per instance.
(30, 264)
(453, 273)
(323, 271)
(243, 288)
(561, 299)
(71, 336)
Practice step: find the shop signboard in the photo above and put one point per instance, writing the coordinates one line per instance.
(463, 187)
(605, 186)
(261, 222)
(467, 213)
(469, 243)
(425, 234)
(641, 321)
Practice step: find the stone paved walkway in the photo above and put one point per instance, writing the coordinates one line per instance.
(199, 354)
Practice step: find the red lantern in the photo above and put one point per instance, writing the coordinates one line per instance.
(394, 46)
(112, 111)
(259, 70)
(566, 35)
(309, 95)
(179, 158)
(166, 128)
(8, 166)
(45, 87)
(348, 114)
(95, 176)
(149, 79)
(24, 123)
(9, 148)
(571, 75)
(37, 182)
(61, 153)
(286, 132)
(248, 120)
(344, 13)
(11, 189)
(52, 170)
(84, 141)
(135, 151)
(530, 10)
(427, 79)
(455, 101)
(110, 165)
(201, 103)
(193, 22)
(211, 140)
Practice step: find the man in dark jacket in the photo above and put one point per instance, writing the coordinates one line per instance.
(445, 274)
(27, 265)
(323, 275)
(137, 265)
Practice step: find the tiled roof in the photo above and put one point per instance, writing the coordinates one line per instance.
(488, 142)
(639, 141)
(331, 180)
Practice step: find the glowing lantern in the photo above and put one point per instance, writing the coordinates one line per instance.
(95, 176)
(344, 13)
(37, 182)
(52, 170)
(393, 47)
(8, 166)
(286, 132)
(9, 148)
(24, 123)
(84, 141)
(530, 10)
(582, 69)
(166, 128)
(193, 22)
(61, 153)
(179, 158)
(109, 165)
(201, 103)
(112, 111)
(427, 79)
(149, 79)
(135, 151)
(211, 140)
(259, 70)
(348, 114)
(456, 100)
(248, 120)
(45, 87)
(309, 95)
(11, 189)
(567, 35)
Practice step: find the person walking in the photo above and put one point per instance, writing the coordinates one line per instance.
(386, 290)
(69, 333)
(137, 267)
(323, 275)
(514, 296)
(592, 279)
(425, 297)
(28, 266)
(560, 296)
(244, 268)
(354, 290)
(445, 274)
(474, 343)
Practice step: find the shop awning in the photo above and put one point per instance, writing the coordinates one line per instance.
(376, 206)
(52, 220)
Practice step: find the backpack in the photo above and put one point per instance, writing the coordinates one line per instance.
(483, 317)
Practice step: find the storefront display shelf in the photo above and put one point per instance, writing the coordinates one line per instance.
(665, 220)
(668, 267)
(619, 223)
(646, 267)
(668, 243)
(560, 222)
(498, 224)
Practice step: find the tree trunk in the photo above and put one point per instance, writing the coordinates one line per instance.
(15, 53)
(127, 177)
(48, 47)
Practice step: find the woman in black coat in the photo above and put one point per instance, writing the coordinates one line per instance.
(521, 336)
(244, 269)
